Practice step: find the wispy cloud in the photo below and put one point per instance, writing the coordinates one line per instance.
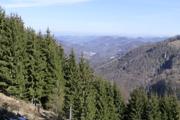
(37, 3)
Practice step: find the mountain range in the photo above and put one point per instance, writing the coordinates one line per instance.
(154, 66)
(99, 50)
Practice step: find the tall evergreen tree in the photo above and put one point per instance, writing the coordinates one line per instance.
(169, 108)
(18, 87)
(86, 94)
(31, 67)
(101, 106)
(4, 80)
(6, 49)
(137, 104)
(57, 96)
(152, 111)
(105, 101)
(71, 76)
(118, 102)
(110, 102)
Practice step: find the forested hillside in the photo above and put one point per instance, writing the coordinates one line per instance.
(34, 68)
(155, 66)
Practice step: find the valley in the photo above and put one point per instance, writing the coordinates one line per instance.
(146, 66)
(99, 50)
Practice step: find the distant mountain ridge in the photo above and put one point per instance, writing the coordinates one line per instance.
(101, 49)
(156, 66)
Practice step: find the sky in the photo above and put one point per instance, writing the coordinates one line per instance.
(100, 17)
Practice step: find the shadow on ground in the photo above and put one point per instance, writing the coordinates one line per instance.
(6, 115)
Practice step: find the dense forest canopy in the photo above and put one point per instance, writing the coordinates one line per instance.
(33, 67)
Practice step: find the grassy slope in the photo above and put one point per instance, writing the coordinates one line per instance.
(9, 107)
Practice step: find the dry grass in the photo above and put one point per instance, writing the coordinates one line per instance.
(175, 44)
(26, 109)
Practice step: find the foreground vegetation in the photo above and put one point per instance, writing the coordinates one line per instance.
(33, 67)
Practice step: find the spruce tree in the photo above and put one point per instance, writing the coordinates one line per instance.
(118, 102)
(169, 108)
(71, 77)
(105, 101)
(110, 102)
(164, 108)
(18, 87)
(57, 96)
(101, 106)
(137, 104)
(174, 113)
(87, 90)
(152, 111)
(6, 49)
(31, 67)
(4, 81)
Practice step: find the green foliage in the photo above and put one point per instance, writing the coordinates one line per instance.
(169, 108)
(152, 111)
(144, 107)
(71, 86)
(90, 97)
(137, 104)
(118, 102)
(86, 91)
(30, 63)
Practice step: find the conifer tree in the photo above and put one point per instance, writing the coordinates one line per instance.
(6, 55)
(101, 106)
(174, 113)
(57, 96)
(105, 101)
(18, 53)
(169, 108)
(71, 77)
(137, 104)
(4, 81)
(152, 109)
(87, 95)
(49, 77)
(118, 102)
(110, 102)
(31, 66)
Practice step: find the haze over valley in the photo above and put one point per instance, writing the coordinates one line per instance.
(100, 49)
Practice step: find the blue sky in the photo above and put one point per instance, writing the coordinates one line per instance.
(104, 17)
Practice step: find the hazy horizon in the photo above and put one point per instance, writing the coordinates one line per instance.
(99, 17)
